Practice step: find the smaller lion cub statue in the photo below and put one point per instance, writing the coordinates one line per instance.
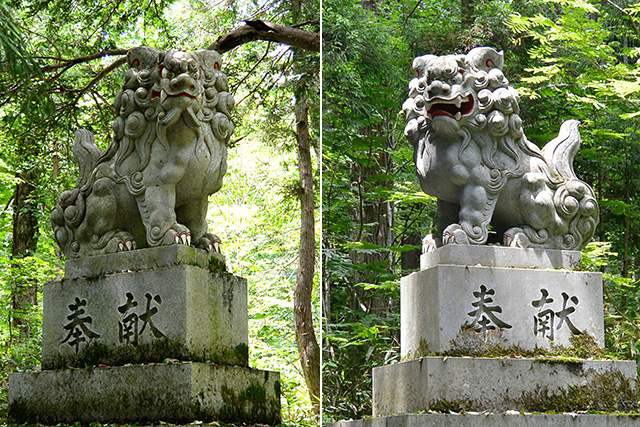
(471, 154)
(151, 185)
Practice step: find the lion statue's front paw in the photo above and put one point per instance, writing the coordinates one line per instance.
(210, 243)
(177, 234)
(430, 243)
(455, 235)
(515, 238)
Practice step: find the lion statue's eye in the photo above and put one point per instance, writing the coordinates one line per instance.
(166, 74)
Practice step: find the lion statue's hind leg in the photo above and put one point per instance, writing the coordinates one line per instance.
(112, 241)
(102, 233)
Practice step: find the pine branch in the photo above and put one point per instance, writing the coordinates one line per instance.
(265, 30)
(83, 59)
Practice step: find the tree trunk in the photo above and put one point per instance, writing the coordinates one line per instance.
(25, 240)
(303, 314)
(467, 11)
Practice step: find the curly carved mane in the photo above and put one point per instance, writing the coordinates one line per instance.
(469, 145)
(140, 115)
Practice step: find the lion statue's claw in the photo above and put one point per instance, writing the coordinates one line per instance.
(210, 243)
(127, 245)
(114, 241)
(429, 243)
(178, 234)
(455, 235)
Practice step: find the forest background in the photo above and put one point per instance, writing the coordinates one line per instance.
(569, 59)
(60, 69)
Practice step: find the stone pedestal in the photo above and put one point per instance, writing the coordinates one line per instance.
(177, 393)
(500, 294)
(468, 299)
(494, 420)
(173, 304)
(492, 384)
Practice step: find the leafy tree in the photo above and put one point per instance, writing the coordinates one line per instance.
(371, 204)
(594, 79)
(76, 50)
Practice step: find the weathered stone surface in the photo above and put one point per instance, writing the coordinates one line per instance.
(489, 384)
(494, 420)
(502, 304)
(472, 154)
(176, 393)
(180, 312)
(143, 259)
(150, 187)
(501, 256)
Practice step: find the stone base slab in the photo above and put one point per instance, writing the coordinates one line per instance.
(180, 311)
(491, 384)
(143, 259)
(501, 256)
(174, 393)
(521, 307)
(495, 420)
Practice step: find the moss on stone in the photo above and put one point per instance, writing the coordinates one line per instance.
(604, 392)
(249, 406)
(490, 344)
(157, 351)
(447, 406)
(421, 351)
(583, 346)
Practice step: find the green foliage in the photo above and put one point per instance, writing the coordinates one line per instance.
(42, 103)
(568, 59)
(258, 223)
(374, 214)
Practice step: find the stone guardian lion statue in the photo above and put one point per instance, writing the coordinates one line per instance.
(151, 185)
(471, 153)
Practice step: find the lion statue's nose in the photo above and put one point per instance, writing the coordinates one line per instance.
(183, 83)
(438, 88)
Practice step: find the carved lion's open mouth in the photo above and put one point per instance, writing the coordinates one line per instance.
(164, 95)
(454, 108)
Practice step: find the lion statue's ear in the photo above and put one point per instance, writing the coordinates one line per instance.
(142, 57)
(209, 59)
(420, 62)
(485, 58)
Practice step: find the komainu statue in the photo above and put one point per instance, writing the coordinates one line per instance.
(150, 187)
(471, 153)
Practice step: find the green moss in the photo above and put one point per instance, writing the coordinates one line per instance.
(604, 392)
(447, 406)
(241, 353)
(422, 351)
(217, 264)
(583, 346)
(560, 360)
(490, 344)
(250, 405)
(157, 351)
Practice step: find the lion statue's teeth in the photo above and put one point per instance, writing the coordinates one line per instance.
(471, 153)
